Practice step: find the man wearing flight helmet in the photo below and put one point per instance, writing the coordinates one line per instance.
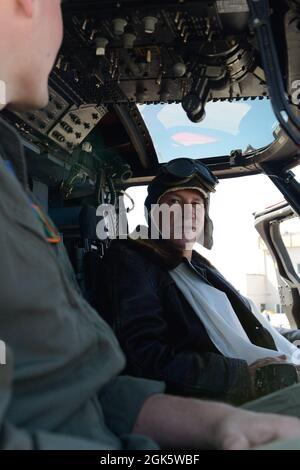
(59, 387)
(176, 317)
(179, 175)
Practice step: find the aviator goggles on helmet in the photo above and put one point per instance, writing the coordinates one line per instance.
(182, 170)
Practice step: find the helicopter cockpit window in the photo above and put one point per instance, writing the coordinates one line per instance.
(244, 125)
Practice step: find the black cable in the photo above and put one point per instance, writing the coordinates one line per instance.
(112, 191)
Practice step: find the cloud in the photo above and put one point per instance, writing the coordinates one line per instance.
(221, 116)
(188, 138)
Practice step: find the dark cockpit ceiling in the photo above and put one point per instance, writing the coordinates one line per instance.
(117, 54)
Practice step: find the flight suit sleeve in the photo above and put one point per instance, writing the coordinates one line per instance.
(13, 438)
(122, 400)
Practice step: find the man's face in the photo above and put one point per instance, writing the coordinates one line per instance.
(31, 33)
(187, 216)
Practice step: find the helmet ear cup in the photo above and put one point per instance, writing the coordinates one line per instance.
(206, 237)
(208, 232)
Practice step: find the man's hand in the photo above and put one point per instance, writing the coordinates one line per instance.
(261, 363)
(267, 361)
(242, 430)
(185, 423)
